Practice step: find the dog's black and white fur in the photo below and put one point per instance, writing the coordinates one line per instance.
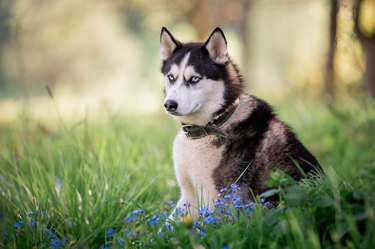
(201, 86)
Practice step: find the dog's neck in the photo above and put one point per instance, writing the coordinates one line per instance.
(213, 127)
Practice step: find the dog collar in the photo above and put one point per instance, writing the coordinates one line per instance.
(212, 128)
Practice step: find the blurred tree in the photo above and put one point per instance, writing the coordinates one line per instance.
(5, 32)
(366, 36)
(329, 77)
(205, 15)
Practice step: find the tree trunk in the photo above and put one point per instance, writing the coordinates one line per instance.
(369, 48)
(205, 16)
(329, 77)
(368, 45)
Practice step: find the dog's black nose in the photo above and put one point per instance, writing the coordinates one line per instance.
(170, 105)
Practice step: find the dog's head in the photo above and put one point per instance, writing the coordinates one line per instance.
(197, 77)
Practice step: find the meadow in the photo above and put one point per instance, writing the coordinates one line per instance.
(107, 181)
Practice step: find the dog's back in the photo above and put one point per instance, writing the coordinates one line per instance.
(258, 143)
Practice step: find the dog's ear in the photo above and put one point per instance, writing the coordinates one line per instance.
(216, 46)
(167, 44)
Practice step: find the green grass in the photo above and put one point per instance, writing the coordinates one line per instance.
(82, 179)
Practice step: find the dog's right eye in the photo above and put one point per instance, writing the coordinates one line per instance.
(170, 77)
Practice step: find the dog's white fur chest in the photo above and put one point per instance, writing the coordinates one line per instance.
(194, 162)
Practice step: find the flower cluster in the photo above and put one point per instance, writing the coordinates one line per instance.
(227, 208)
(36, 223)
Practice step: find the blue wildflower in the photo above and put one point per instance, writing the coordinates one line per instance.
(262, 200)
(153, 221)
(179, 212)
(59, 183)
(18, 224)
(30, 213)
(223, 190)
(237, 203)
(110, 232)
(225, 247)
(34, 222)
(205, 211)
(168, 227)
(130, 233)
(131, 217)
(234, 187)
(202, 232)
(121, 241)
(137, 212)
(248, 208)
(164, 215)
(44, 213)
(208, 220)
(219, 202)
(196, 225)
(171, 204)
(106, 246)
(55, 244)
(228, 196)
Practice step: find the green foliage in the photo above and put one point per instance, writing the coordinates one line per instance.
(105, 182)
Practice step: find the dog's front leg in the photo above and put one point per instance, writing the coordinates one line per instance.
(187, 205)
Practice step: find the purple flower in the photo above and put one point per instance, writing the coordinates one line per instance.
(187, 204)
(228, 196)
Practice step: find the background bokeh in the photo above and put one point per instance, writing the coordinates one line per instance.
(106, 53)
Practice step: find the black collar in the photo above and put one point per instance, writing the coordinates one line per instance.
(212, 128)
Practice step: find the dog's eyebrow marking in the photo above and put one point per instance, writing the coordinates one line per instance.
(174, 70)
(190, 72)
(183, 65)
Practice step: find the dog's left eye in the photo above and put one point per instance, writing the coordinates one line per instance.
(194, 79)
(170, 77)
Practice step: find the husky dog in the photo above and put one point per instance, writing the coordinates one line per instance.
(227, 136)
